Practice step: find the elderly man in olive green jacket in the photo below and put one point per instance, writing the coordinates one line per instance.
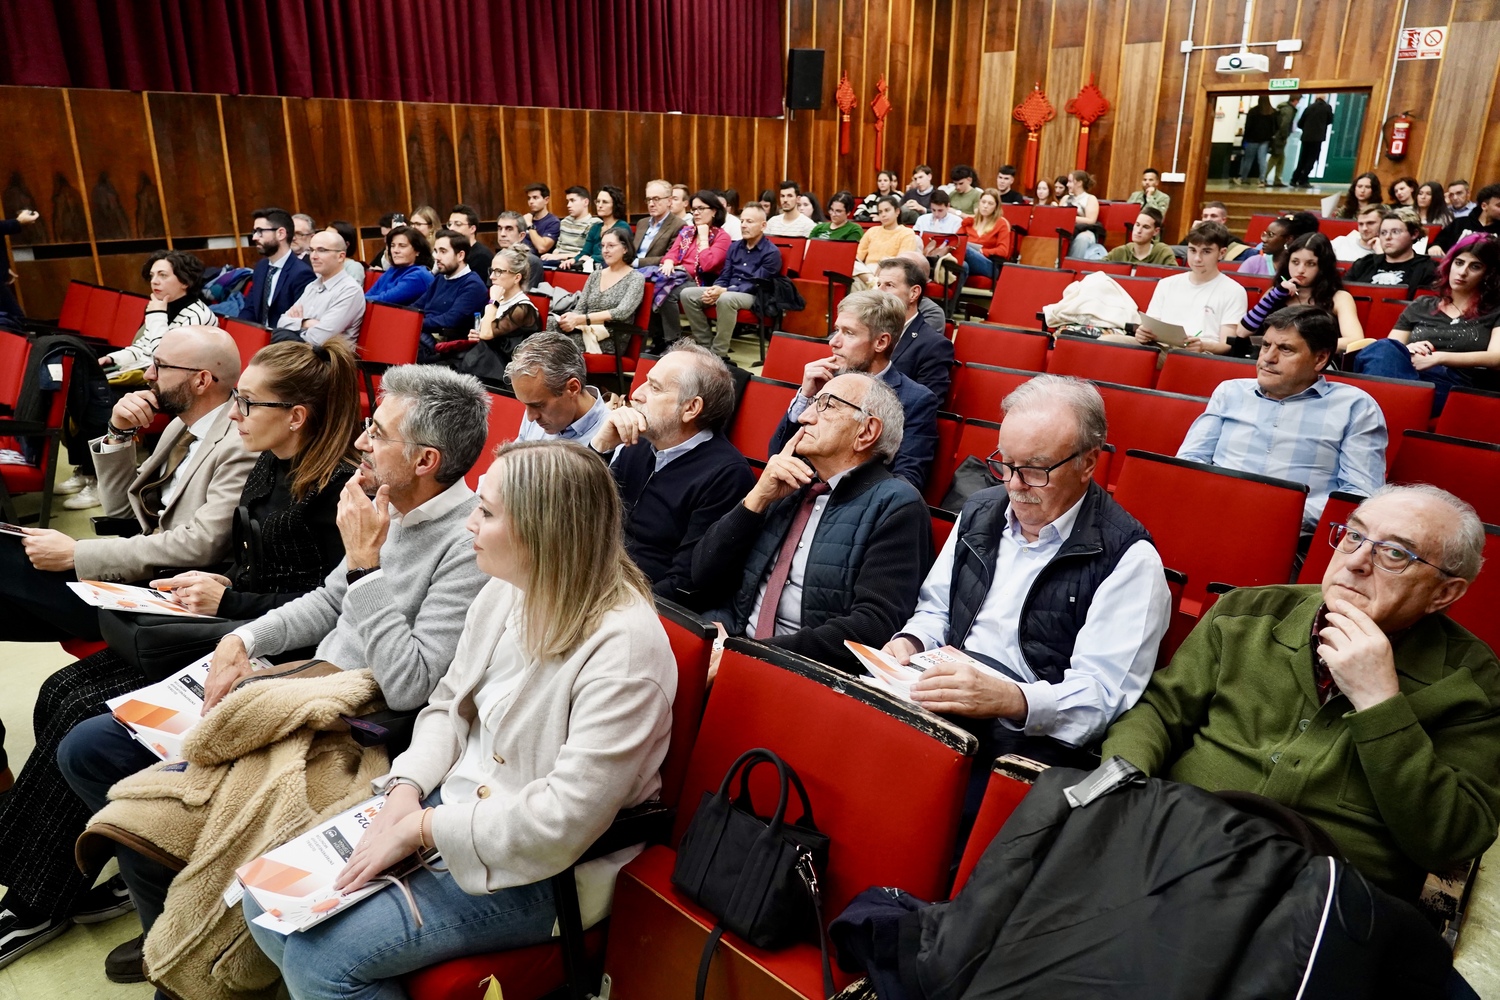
(1356, 703)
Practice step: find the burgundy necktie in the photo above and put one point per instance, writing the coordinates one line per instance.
(765, 625)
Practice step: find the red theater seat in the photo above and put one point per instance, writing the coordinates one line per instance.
(1407, 405)
(643, 366)
(506, 414)
(389, 335)
(1468, 469)
(130, 313)
(1472, 414)
(1476, 610)
(806, 713)
(823, 279)
(945, 459)
(1147, 420)
(787, 355)
(942, 526)
(1003, 347)
(1194, 374)
(1180, 502)
(1011, 777)
(977, 390)
(1338, 508)
(1022, 291)
(248, 337)
(1084, 357)
(36, 476)
(1383, 316)
(760, 411)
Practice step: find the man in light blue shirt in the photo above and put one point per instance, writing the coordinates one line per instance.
(1290, 422)
(548, 376)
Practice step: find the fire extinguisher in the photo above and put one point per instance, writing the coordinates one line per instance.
(1395, 147)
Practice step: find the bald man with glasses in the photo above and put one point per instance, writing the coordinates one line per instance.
(1356, 701)
(331, 306)
(181, 499)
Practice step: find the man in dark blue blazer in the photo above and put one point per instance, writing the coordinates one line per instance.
(922, 350)
(280, 275)
(862, 340)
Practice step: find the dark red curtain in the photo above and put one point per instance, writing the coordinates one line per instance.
(715, 57)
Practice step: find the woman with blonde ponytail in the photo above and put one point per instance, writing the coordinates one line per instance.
(296, 404)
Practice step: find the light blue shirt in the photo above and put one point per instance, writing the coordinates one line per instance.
(1115, 651)
(1330, 436)
(582, 429)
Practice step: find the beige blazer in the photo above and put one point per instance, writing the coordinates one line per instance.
(670, 227)
(196, 525)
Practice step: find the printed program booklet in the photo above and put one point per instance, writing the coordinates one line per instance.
(161, 714)
(898, 679)
(293, 883)
(123, 597)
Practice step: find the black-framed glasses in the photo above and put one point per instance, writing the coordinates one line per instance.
(374, 433)
(1035, 476)
(243, 405)
(822, 399)
(1385, 555)
(255, 233)
(163, 366)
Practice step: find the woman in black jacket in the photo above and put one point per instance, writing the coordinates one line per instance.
(298, 405)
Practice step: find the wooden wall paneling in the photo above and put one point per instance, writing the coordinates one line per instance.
(189, 151)
(41, 172)
(1461, 100)
(843, 52)
(1101, 60)
(915, 107)
(770, 159)
(1488, 166)
(375, 143)
(894, 59)
(1059, 151)
(1364, 52)
(939, 107)
(431, 160)
(1070, 24)
(1169, 92)
(119, 172)
(676, 161)
(710, 153)
(568, 134)
(997, 72)
(525, 153)
(798, 152)
(255, 140)
(1135, 116)
(481, 160)
(607, 138)
(123, 271)
(1320, 25)
(739, 155)
(963, 84)
(1000, 25)
(642, 157)
(1033, 45)
(1416, 81)
(41, 284)
(321, 161)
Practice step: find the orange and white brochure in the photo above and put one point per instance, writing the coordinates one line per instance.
(161, 714)
(123, 597)
(898, 679)
(293, 883)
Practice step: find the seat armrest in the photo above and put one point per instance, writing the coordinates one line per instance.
(122, 527)
(650, 823)
(839, 278)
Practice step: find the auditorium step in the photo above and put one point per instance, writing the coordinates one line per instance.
(1246, 200)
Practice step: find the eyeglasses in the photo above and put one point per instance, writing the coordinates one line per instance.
(243, 405)
(162, 366)
(375, 434)
(658, 197)
(1388, 556)
(324, 250)
(255, 233)
(1035, 476)
(822, 399)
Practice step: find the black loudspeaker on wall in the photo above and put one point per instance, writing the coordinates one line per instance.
(804, 79)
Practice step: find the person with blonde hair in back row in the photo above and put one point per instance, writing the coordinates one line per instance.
(554, 716)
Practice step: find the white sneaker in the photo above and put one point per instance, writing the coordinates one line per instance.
(83, 499)
(73, 484)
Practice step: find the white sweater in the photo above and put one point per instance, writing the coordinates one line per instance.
(139, 353)
(581, 739)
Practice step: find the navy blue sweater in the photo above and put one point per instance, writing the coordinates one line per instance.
(667, 512)
(450, 303)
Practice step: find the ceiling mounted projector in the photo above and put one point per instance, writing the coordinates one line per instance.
(1244, 62)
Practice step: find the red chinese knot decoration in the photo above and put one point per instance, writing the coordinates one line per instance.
(1034, 112)
(1089, 106)
(847, 102)
(882, 107)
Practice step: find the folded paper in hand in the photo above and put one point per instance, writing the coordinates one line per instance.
(160, 715)
(123, 597)
(898, 679)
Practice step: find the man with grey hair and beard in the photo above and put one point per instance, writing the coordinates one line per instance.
(396, 604)
(676, 471)
(1355, 701)
(829, 544)
(1055, 593)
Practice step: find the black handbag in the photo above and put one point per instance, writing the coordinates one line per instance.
(159, 644)
(759, 877)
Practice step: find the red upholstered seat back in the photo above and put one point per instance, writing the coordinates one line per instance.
(1084, 357)
(1479, 609)
(506, 414)
(130, 313)
(1472, 414)
(977, 390)
(14, 350)
(788, 354)
(75, 305)
(248, 337)
(1146, 419)
(692, 642)
(99, 314)
(1022, 291)
(1406, 403)
(1003, 347)
(1194, 374)
(760, 411)
(1468, 469)
(389, 334)
(1320, 553)
(886, 781)
(1172, 497)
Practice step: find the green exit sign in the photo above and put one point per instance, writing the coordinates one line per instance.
(1285, 83)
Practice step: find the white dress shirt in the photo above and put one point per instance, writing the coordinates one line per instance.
(336, 303)
(789, 608)
(197, 428)
(1115, 651)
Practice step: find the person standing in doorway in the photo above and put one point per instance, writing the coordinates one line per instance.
(1260, 129)
(1314, 123)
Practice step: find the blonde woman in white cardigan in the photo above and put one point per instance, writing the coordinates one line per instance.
(554, 716)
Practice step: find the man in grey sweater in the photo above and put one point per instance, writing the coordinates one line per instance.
(396, 604)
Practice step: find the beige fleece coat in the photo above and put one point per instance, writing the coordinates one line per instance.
(271, 762)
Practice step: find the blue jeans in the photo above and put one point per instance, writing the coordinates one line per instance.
(1391, 359)
(362, 954)
(1253, 159)
(978, 264)
(93, 756)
